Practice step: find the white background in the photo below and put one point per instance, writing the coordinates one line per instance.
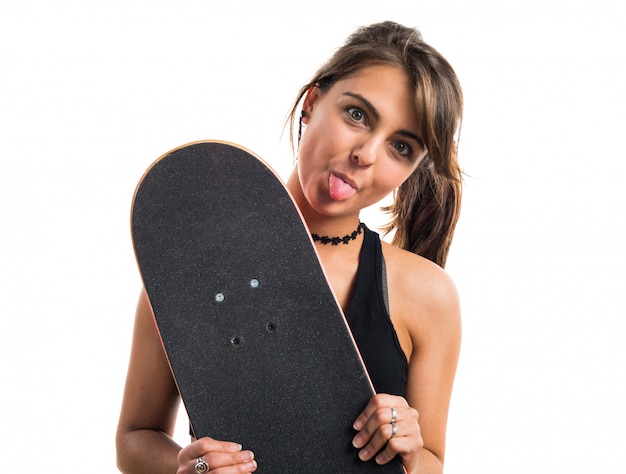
(92, 92)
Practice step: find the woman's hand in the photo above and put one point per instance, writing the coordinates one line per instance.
(388, 422)
(220, 457)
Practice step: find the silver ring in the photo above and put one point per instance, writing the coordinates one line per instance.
(201, 466)
(394, 415)
(394, 429)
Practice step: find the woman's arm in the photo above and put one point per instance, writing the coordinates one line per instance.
(150, 403)
(149, 409)
(436, 336)
(425, 311)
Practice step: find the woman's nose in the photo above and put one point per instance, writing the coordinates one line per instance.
(365, 153)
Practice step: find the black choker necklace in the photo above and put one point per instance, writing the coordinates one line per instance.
(325, 240)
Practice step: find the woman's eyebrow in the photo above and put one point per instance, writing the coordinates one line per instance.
(376, 115)
(366, 102)
(412, 136)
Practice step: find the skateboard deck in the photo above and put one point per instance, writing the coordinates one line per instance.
(258, 346)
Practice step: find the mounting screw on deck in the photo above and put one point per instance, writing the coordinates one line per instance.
(254, 283)
(219, 297)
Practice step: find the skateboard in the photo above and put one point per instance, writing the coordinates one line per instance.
(257, 344)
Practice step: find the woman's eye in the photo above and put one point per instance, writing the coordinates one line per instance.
(402, 148)
(356, 114)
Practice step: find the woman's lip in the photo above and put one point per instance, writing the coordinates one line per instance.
(340, 188)
(344, 178)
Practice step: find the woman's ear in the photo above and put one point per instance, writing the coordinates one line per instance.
(309, 103)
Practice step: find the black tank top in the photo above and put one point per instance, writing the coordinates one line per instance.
(370, 323)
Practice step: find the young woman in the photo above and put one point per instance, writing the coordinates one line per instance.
(381, 116)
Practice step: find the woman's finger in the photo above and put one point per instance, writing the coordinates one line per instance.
(223, 463)
(210, 455)
(386, 431)
(378, 402)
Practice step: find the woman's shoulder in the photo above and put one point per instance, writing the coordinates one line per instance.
(421, 292)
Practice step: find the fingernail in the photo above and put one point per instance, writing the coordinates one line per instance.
(363, 454)
(234, 447)
(357, 442)
(357, 425)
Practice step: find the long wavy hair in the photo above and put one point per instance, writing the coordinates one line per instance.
(426, 206)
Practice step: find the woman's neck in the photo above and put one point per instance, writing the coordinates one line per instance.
(318, 223)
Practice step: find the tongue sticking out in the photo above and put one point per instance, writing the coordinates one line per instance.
(339, 189)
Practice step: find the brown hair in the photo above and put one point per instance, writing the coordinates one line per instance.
(427, 205)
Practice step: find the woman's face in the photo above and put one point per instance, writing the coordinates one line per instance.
(361, 140)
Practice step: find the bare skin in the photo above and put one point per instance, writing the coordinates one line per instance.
(360, 143)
